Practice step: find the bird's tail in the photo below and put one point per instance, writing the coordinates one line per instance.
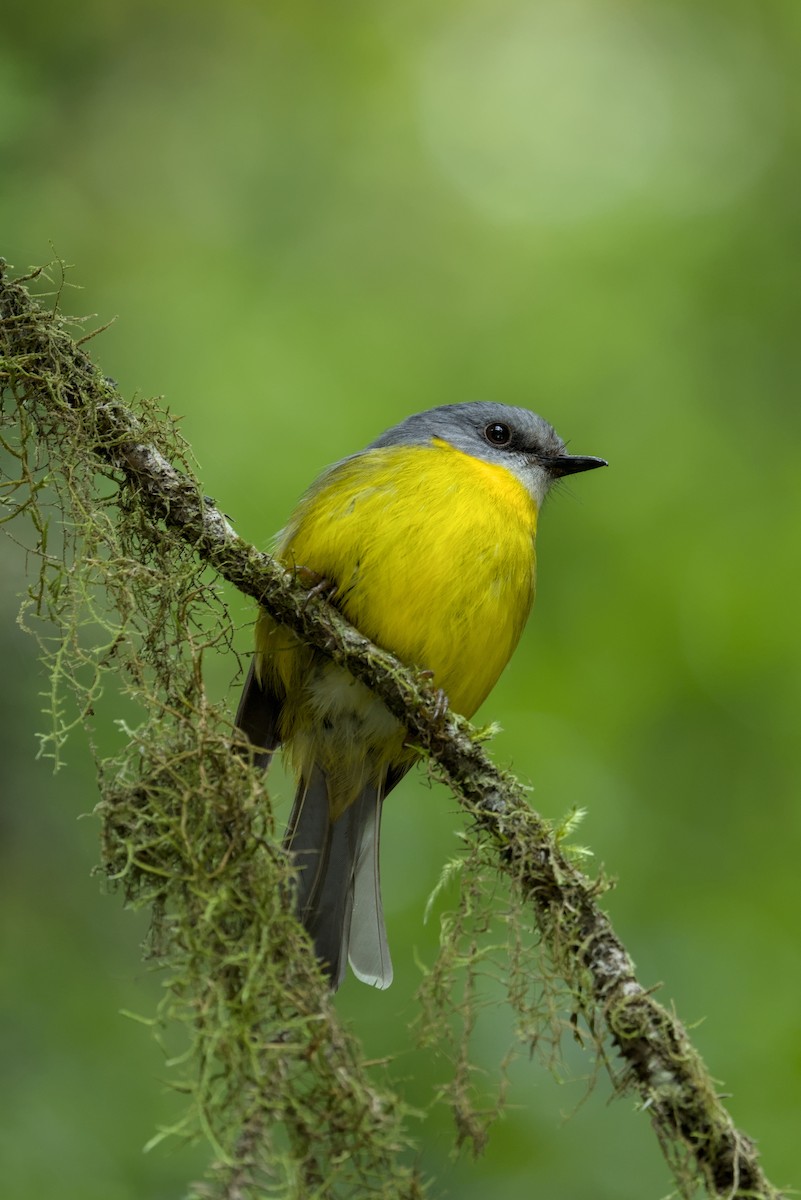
(339, 891)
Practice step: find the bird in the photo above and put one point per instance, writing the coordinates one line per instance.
(425, 541)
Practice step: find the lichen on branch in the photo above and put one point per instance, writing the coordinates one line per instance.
(277, 1085)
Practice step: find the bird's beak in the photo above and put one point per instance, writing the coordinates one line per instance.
(571, 464)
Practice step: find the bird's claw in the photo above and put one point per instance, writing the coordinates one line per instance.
(316, 584)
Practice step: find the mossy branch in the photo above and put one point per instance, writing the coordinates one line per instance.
(47, 373)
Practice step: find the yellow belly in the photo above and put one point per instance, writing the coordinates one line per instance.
(433, 555)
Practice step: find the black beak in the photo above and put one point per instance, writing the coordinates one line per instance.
(571, 464)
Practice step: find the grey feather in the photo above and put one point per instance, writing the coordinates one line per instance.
(339, 895)
(462, 426)
(258, 717)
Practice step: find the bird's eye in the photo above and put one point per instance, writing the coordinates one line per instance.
(498, 434)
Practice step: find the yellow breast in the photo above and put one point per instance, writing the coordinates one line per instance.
(433, 555)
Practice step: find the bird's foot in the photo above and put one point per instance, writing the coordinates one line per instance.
(317, 584)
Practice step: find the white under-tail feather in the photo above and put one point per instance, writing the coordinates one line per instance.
(368, 952)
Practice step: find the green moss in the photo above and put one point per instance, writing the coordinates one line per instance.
(272, 1080)
(120, 595)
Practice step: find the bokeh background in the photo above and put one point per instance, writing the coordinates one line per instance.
(313, 219)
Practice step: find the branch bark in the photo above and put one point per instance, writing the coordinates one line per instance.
(660, 1063)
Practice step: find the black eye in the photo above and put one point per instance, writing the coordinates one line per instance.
(498, 434)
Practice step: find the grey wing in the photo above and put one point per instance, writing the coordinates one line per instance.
(258, 717)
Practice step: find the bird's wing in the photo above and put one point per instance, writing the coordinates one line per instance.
(258, 716)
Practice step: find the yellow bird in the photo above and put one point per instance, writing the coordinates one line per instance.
(427, 539)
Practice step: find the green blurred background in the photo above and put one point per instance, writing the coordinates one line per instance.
(313, 219)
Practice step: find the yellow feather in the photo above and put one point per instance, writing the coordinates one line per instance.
(432, 552)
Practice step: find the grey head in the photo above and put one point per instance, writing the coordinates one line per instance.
(514, 438)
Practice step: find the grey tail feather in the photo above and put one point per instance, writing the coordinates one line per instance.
(339, 895)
